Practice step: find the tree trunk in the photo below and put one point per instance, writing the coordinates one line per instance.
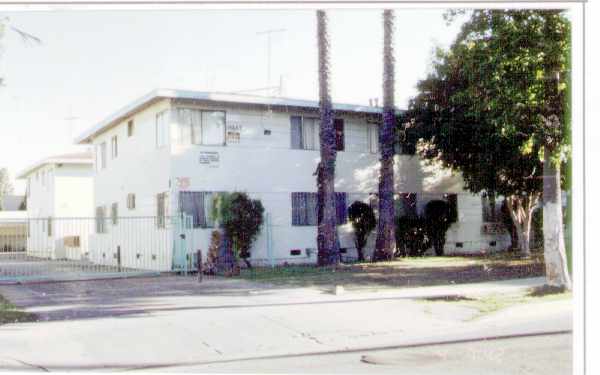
(328, 252)
(385, 245)
(521, 211)
(557, 273)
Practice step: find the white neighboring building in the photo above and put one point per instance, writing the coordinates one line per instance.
(170, 150)
(13, 224)
(60, 201)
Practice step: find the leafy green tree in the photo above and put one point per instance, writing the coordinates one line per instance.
(328, 250)
(494, 108)
(363, 221)
(385, 245)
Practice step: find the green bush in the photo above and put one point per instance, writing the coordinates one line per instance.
(411, 236)
(363, 221)
(438, 220)
(241, 218)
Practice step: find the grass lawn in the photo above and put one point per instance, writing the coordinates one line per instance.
(10, 314)
(405, 272)
(493, 302)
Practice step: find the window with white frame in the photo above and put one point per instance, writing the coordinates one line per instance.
(130, 128)
(373, 138)
(100, 220)
(114, 147)
(162, 201)
(114, 213)
(304, 133)
(198, 205)
(131, 201)
(162, 129)
(101, 156)
(199, 127)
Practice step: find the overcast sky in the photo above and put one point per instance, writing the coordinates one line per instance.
(94, 62)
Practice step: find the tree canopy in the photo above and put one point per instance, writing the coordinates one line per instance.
(493, 100)
(482, 109)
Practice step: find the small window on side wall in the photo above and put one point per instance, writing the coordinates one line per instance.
(338, 124)
(130, 128)
(131, 201)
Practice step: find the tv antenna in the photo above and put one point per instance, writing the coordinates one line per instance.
(268, 33)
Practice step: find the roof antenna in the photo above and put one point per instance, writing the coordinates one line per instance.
(268, 34)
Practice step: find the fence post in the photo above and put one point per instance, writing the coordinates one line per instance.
(119, 258)
(199, 264)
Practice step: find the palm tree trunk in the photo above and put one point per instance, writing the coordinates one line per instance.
(386, 242)
(328, 252)
(557, 273)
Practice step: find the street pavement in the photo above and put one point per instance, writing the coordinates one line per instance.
(177, 324)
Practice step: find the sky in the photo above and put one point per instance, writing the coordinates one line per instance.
(91, 63)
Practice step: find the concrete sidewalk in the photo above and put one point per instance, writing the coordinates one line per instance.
(177, 323)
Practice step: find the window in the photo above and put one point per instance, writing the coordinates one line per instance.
(305, 133)
(338, 123)
(100, 223)
(198, 205)
(130, 128)
(407, 205)
(161, 209)
(162, 130)
(114, 147)
(452, 200)
(373, 138)
(199, 127)
(131, 201)
(114, 213)
(304, 208)
(101, 157)
(489, 212)
(49, 222)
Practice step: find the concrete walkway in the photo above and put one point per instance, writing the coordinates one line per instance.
(175, 323)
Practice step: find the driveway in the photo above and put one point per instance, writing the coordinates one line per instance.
(176, 323)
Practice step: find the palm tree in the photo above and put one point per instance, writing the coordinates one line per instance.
(386, 241)
(328, 252)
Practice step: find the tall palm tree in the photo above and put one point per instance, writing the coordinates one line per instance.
(386, 241)
(328, 252)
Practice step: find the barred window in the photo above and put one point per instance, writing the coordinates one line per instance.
(305, 205)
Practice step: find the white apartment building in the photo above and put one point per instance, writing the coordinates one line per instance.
(60, 201)
(170, 151)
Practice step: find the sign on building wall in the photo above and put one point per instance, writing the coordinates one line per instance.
(233, 133)
(209, 158)
(493, 228)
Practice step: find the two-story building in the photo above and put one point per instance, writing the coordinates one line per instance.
(60, 201)
(170, 151)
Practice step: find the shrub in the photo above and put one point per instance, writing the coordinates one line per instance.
(411, 236)
(438, 220)
(241, 218)
(363, 221)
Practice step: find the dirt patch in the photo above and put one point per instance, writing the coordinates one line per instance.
(399, 273)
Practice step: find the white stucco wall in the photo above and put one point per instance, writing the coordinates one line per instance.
(141, 169)
(64, 195)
